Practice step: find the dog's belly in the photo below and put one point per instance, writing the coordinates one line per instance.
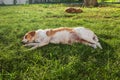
(64, 37)
(61, 37)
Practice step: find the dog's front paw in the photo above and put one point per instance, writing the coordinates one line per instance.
(32, 48)
(25, 45)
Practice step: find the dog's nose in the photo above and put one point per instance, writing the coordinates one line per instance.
(22, 42)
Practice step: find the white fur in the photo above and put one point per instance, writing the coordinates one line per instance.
(64, 37)
(60, 37)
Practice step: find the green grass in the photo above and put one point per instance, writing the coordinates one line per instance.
(58, 61)
(108, 0)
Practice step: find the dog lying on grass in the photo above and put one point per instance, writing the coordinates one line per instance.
(73, 10)
(61, 35)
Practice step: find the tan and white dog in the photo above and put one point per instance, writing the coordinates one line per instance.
(62, 35)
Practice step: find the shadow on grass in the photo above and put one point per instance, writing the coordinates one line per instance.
(84, 53)
(87, 62)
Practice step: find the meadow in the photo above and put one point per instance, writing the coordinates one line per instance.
(58, 61)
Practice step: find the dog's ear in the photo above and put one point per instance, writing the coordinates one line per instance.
(32, 33)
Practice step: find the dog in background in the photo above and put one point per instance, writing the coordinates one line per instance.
(61, 35)
(73, 10)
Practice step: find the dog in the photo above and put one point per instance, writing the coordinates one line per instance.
(63, 35)
(73, 10)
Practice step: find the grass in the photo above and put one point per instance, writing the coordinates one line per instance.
(59, 62)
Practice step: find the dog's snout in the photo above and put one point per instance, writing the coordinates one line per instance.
(22, 42)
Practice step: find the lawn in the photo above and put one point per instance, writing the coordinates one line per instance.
(58, 61)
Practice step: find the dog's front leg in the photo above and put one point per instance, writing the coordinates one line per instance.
(39, 45)
(31, 44)
(42, 43)
(34, 47)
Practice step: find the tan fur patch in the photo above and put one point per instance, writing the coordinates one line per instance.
(30, 35)
(53, 31)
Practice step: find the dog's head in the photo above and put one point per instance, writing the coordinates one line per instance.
(29, 37)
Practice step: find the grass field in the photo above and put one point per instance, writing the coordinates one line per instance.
(59, 62)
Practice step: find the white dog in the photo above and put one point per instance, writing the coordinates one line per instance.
(62, 35)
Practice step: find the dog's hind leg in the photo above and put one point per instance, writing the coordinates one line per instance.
(99, 45)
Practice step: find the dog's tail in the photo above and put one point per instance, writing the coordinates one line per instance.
(99, 45)
(95, 38)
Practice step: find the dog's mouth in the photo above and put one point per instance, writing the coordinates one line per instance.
(24, 42)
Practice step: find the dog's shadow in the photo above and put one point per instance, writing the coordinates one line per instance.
(84, 60)
(98, 57)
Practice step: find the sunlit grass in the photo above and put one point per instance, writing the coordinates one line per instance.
(59, 62)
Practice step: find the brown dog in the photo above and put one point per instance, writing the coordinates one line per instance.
(73, 10)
